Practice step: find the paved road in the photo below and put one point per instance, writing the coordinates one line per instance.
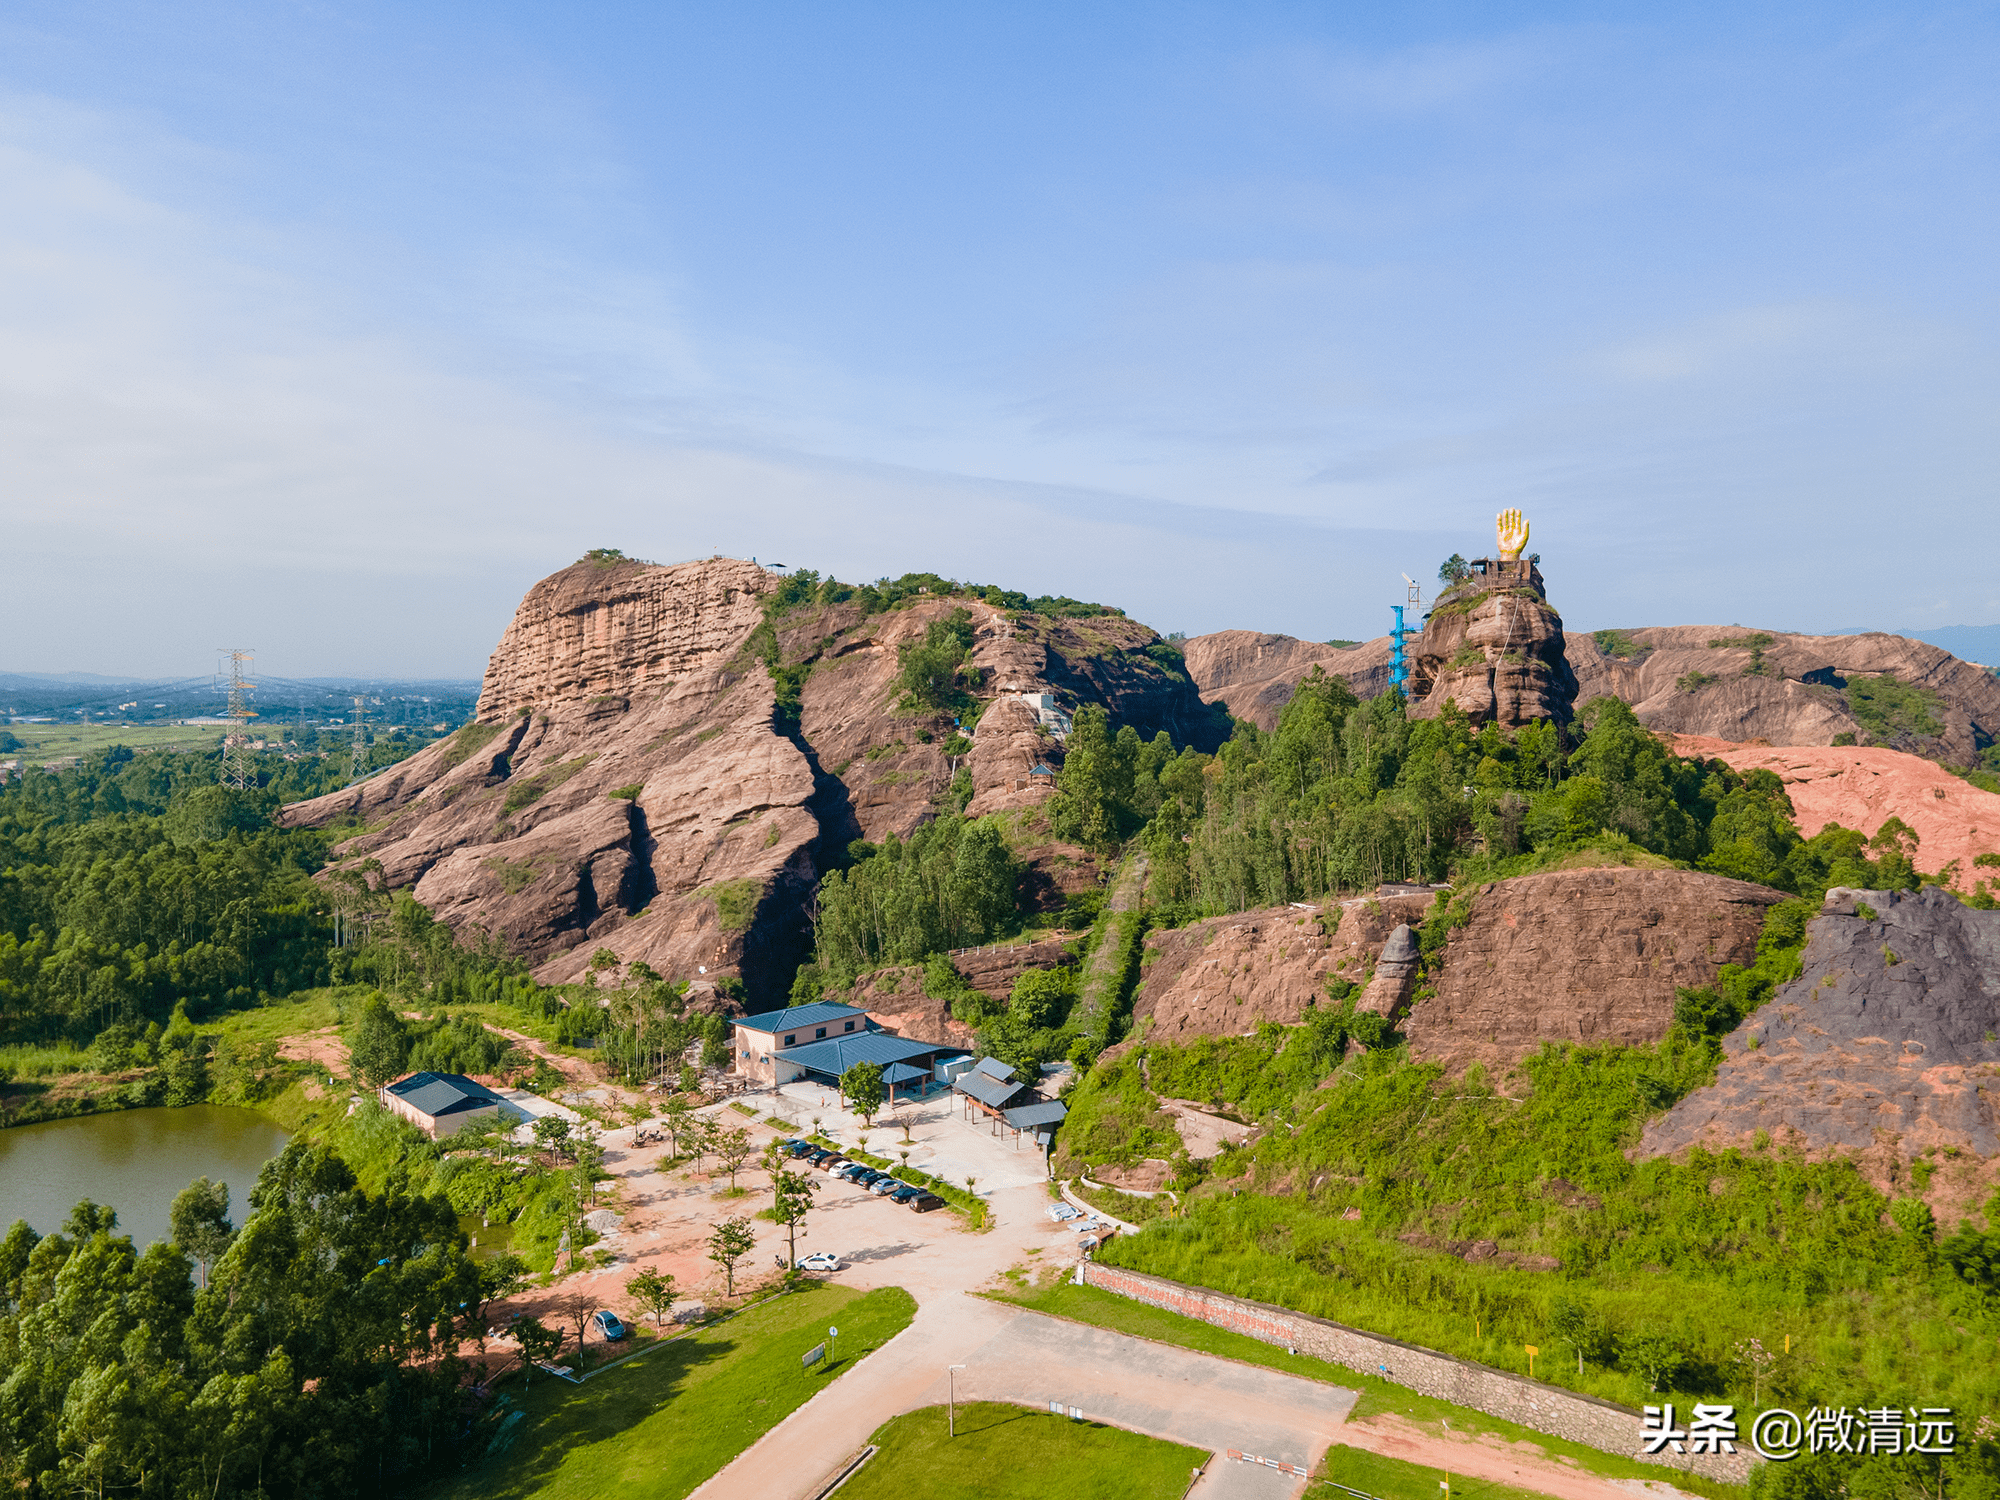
(1010, 1354)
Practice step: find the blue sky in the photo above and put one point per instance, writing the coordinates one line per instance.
(328, 329)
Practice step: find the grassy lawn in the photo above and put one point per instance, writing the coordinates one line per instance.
(1398, 1479)
(661, 1424)
(1017, 1453)
(1104, 1309)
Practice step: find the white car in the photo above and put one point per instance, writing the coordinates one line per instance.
(820, 1260)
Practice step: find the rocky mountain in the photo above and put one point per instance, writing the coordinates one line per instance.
(1886, 1038)
(1492, 645)
(1723, 682)
(1590, 956)
(632, 782)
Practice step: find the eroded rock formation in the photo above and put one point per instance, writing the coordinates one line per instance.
(1584, 956)
(1227, 975)
(629, 783)
(1492, 645)
(1885, 1038)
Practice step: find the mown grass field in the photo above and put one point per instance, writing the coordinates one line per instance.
(1006, 1452)
(1105, 1310)
(662, 1424)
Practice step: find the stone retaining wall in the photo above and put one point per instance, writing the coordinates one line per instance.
(1545, 1408)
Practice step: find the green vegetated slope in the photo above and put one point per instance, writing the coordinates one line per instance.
(1015, 1450)
(662, 1424)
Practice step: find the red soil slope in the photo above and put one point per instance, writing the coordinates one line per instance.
(1864, 787)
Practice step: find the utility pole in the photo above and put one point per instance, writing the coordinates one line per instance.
(360, 741)
(239, 771)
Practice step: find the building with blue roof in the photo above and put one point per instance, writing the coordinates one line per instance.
(822, 1041)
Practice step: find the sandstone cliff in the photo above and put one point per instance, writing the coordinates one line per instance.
(1226, 975)
(631, 783)
(1790, 689)
(1255, 675)
(1492, 645)
(1584, 956)
(1885, 1039)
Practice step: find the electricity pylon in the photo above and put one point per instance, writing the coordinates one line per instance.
(239, 770)
(360, 742)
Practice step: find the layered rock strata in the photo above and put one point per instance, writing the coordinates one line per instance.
(1590, 957)
(1229, 975)
(630, 782)
(1885, 1038)
(1493, 646)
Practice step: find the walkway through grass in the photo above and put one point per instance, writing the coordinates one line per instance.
(1102, 1309)
(1018, 1453)
(661, 1424)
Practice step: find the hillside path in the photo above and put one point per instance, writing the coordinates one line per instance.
(1100, 975)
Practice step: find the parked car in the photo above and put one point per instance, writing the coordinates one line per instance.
(798, 1148)
(905, 1193)
(820, 1260)
(866, 1176)
(859, 1172)
(884, 1183)
(829, 1162)
(923, 1203)
(606, 1323)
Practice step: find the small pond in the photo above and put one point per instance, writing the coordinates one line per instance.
(135, 1160)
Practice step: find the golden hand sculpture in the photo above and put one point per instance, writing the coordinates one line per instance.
(1512, 529)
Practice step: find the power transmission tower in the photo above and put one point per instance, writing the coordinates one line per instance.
(360, 760)
(239, 770)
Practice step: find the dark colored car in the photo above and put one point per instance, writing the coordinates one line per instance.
(797, 1148)
(923, 1203)
(819, 1156)
(863, 1176)
(906, 1194)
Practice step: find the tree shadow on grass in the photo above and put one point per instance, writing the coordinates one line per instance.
(561, 1417)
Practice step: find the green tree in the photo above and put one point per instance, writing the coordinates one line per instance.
(929, 671)
(734, 1148)
(862, 1085)
(728, 1243)
(200, 1223)
(791, 1200)
(1653, 1356)
(538, 1343)
(1575, 1323)
(552, 1134)
(1042, 997)
(380, 1044)
(653, 1291)
(1454, 569)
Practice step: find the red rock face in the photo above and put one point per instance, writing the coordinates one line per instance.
(1798, 695)
(1228, 975)
(626, 785)
(1256, 675)
(1493, 646)
(1584, 956)
(1863, 788)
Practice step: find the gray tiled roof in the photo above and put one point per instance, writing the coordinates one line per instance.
(440, 1094)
